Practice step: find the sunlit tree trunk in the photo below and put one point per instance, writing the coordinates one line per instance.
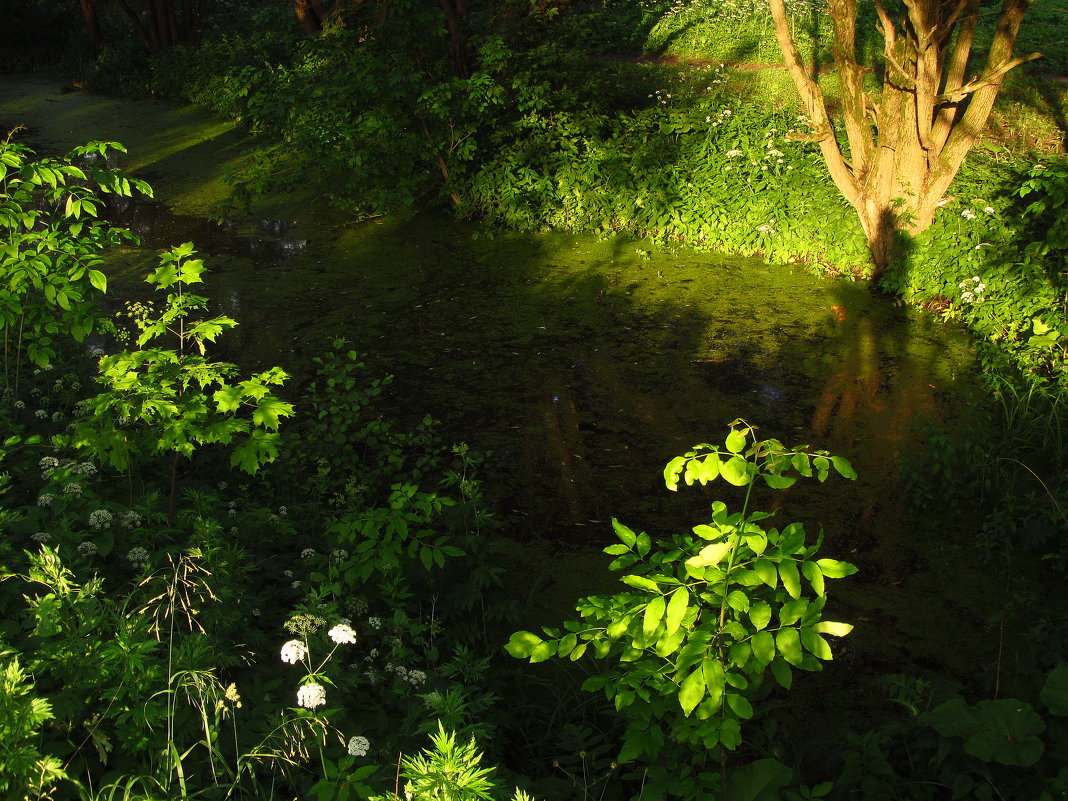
(905, 143)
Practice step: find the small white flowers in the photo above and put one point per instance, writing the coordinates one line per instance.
(138, 556)
(358, 746)
(374, 622)
(42, 537)
(766, 229)
(733, 154)
(342, 633)
(130, 519)
(416, 677)
(48, 464)
(968, 214)
(100, 518)
(311, 695)
(307, 553)
(45, 499)
(294, 651)
(988, 209)
(72, 489)
(972, 289)
(87, 548)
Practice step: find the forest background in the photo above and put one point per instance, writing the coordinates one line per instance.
(149, 659)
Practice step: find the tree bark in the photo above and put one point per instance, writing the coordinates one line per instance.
(906, 145)
(92, 26)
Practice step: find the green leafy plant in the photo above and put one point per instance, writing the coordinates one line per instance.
(707, 615)
(175, 399)
(53, 239)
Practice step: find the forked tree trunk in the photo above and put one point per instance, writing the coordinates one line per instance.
(905, 144)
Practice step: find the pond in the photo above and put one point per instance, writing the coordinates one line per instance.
(582, 364)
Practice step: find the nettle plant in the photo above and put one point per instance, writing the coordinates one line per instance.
(708, 615)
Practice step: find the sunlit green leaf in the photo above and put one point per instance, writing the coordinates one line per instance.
(692, 691)
(788, 643)
(654, 613)
(676, 609)
(790, 578)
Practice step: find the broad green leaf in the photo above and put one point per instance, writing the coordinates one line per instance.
(654, 613)
(779, 482)
(767, 572)
(791, 611)
(98, 280)
(790, 579)
(814, 575)
(692, 691)
(738, 601)
(735, 441)
(844, 467)
(782, 673)
(578, 651)
(522, 644)
(669, 643)
(815, 644)
(740, 705)
(735, 471)
(542, 651)
(760, 614)
(567, 644)
(832, 628)
(756, 542)
(228, 399)
(763, 647)
(709, 469)
(671, 472)
(626, 536)
(788, 643)
(707, 532)
(676, 609)
(640, 583)
(832, 568)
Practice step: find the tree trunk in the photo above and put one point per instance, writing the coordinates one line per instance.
(906, 145)
(92, 26)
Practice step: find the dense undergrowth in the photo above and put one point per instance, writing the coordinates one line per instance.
(214, 594)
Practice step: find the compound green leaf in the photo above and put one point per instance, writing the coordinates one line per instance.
(832, 568)
(735, 441)
(832, 628)
(760, 614)
(814, 575)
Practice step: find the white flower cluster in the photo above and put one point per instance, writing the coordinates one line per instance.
(307, 553)
(48, 464)
(294, 651)
(358, 746)
(130, 519)
(968, 214)
(972, 290)
(42, 537)
(73, 488)
(100, 518)
(45, 499)
(311, 695)
(733, 154)
(84, 469)
(342, 633)
(87, 548)
(138, 556)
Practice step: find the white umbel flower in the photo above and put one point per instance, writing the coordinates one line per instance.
(311, 695)
(342, 633)
(294, 651)
(358, 746)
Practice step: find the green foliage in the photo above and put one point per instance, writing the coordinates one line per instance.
(174, 399)
(53, 239)
(707, 617)
(24, 771)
